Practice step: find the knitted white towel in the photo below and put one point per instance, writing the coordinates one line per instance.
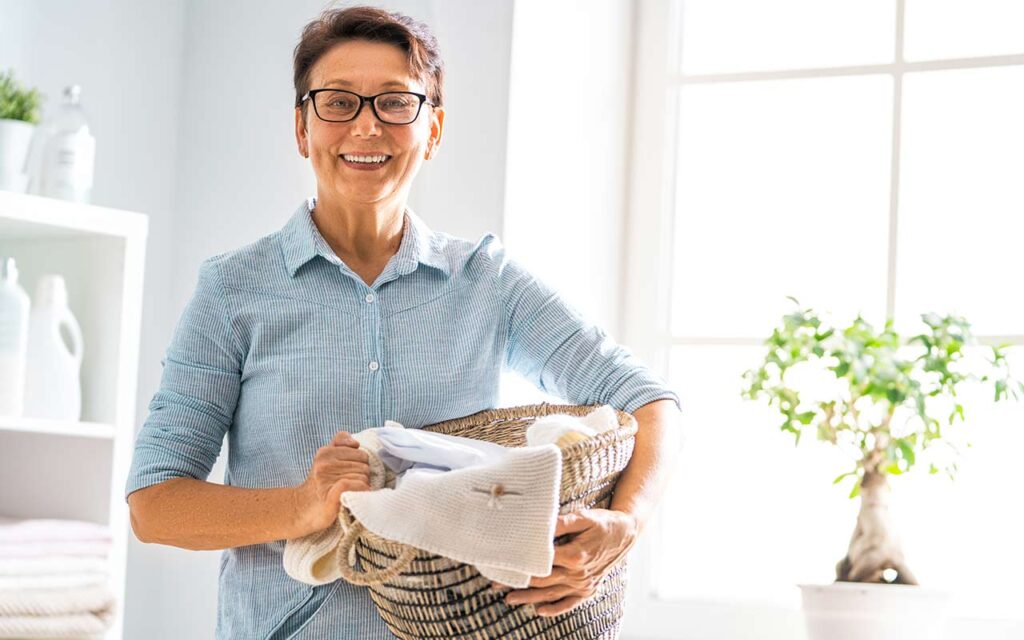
(503, 512)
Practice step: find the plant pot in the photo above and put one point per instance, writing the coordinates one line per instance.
(15, 142)
(862, 611)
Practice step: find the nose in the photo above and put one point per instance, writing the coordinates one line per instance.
(366, 123)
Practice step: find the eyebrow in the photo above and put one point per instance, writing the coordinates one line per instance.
(386, 85)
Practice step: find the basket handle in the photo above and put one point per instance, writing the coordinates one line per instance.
(346, 546)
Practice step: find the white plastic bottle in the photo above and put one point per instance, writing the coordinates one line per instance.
(52, 377)
(14, 312)
(69, 153)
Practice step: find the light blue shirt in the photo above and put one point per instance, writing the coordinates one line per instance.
(282, 345)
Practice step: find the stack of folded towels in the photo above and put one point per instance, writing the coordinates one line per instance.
(503, 501)
(54, 579)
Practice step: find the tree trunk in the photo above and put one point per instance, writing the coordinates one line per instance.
(874, 547)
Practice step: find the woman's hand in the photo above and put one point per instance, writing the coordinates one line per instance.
(337, 467)
(603, 537)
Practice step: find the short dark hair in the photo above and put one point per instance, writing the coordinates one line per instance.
(335, 26)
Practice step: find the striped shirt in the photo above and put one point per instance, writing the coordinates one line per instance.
(282, 345)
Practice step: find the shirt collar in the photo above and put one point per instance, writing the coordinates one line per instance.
(301, 242)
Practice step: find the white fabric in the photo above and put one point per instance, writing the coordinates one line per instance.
(14, 530)
(551, 428)
(82, 579)
(408, 451)
(52, 565)
(497, 512)
(56, 613)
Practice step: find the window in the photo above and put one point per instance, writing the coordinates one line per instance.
(863, 156)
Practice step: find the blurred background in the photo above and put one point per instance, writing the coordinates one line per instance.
(704, 159)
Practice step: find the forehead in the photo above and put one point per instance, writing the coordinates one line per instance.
(363, 65)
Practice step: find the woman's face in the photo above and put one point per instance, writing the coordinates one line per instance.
(366, 68)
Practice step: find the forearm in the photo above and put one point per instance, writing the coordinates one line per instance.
(658, 437)
(198, 515)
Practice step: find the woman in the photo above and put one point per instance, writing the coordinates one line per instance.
(354, 313)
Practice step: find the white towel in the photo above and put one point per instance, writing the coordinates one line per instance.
(94, 548)
(56, 565)
(70, 612)
(550, 429)
(505, 508)
(51, 530)
(81, 579)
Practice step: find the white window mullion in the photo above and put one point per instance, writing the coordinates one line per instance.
(894, 185)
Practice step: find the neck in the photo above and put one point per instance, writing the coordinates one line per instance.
(361, 233)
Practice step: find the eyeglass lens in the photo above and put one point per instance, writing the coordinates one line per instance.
(393, 108)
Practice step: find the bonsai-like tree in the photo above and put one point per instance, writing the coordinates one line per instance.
(17, 103)
(883, 402)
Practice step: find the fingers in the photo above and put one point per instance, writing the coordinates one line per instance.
(335, 452)
(560, 607)
(560, 575)
(571, 556)
(572, 523)
(542, 594)
(344, 439)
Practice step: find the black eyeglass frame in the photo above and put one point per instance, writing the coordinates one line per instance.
(363, 100)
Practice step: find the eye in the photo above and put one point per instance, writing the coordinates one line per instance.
(341, 102)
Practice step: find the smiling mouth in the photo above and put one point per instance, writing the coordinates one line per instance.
(365, 159)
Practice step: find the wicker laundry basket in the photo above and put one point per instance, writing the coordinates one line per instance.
(424, 596)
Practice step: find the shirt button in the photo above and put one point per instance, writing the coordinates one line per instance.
(374, 366)
(369, 297)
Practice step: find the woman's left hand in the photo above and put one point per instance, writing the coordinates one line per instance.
(602, 538)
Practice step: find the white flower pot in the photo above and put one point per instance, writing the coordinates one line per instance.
(859, 611)
(15, 142)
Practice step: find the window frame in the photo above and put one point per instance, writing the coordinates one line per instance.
(648, 241)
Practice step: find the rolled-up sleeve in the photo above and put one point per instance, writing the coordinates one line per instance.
(552, 345)
(195, 404)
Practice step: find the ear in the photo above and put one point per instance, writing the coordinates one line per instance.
(301, 136)
(436, 130)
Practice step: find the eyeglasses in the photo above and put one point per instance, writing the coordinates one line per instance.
(392, 107)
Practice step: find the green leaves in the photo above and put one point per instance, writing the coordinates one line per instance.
(879, 378)
(17, 103)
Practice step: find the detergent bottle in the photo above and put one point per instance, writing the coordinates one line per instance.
(14, 306)
(52, 385)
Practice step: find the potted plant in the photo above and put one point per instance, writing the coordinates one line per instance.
(19, 114)
(888, 402)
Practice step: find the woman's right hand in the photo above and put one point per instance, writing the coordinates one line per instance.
(337, 467)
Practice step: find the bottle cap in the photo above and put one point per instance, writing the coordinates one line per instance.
(51, 292)
(8, 269)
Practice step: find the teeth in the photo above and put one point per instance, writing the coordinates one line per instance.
(367, 159)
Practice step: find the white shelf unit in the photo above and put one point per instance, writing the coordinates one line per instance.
(77, 470)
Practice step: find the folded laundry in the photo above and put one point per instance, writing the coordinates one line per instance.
(51, 530)
(56, 613)
(82, 579)
(475, 502)
(55, 565)
(405, 451)
(58, 547)
(563, 429)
